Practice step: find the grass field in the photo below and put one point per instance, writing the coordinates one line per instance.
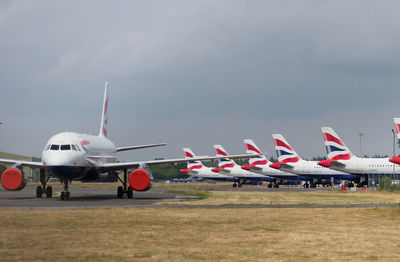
(168, 234)
(201, 234)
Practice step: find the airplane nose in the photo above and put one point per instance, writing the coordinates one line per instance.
(276, 165)
(395, 159)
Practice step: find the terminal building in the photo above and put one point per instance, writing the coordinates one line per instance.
(31, 173)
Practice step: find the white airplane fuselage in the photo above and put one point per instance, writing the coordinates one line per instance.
(207, 173)
(72, 156)
(313, 170)
(365, 166)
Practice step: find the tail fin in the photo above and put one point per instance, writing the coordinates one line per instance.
(251, 148)
(223, 162)
(397, 125)
(335, 147)
(284, 151)
(104, 118)
(192, 164)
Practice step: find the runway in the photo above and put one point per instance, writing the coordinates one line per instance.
(103, 197)
(84, 198)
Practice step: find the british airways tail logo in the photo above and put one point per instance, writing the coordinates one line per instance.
(285, 152)
(188, 154)
(335, 148)
(252, 148)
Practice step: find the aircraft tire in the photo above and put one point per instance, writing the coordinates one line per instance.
(234, 185)
(129, 193)
(62, 196)
(67, 195)
(270, 185)
(120, 192)
(49, 192)
(39, 191)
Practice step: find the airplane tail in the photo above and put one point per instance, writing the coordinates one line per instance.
(104, 117)
(251, 148)
(192, 164)
(284, 151)
(223, 162)
(397, 126)
(335, 147)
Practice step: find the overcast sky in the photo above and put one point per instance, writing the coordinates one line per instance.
(196, 73)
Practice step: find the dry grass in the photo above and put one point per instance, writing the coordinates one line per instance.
(168, 234)
(301, 198)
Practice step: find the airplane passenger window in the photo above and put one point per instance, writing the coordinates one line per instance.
(54, 147)
(65, 147)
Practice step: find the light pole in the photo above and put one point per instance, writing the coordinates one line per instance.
(360, 135)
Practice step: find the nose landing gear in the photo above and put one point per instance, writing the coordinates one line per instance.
(65, 195)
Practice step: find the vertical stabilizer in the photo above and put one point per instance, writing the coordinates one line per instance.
(252, 148)
(192, 164)
(335, 147)
(397, 126)
(223, 162)
(284, 151)
(104, 115)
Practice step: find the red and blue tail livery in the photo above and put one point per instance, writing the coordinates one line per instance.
(335, 148)
(284, 151)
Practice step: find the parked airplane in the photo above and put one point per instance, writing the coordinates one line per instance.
(290, 161)
(340, 158)
(260, 165)
(229, 167)
(72, 156)
(197, 169)
(396, 159)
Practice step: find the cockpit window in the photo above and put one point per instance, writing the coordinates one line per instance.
(54, 147)
(47, 147)
(74, 148)
(65, 147)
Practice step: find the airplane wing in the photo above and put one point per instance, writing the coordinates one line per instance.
(119, 149)
(107, 167)
(32, 164)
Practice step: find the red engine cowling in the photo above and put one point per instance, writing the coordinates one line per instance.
(140, 179)
(13, 179)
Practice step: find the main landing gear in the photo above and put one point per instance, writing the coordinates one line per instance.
(124, 189)
(43, 189)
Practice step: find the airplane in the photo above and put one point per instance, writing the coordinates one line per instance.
(72, 156)
(342, 159)
(260, 165)
(197, 169)
(229, 167)
(290, 161)
(396, 159)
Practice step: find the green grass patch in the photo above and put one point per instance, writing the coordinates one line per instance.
(201, 194)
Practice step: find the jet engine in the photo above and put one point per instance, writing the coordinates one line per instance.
(140, 179)
(13, 179)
